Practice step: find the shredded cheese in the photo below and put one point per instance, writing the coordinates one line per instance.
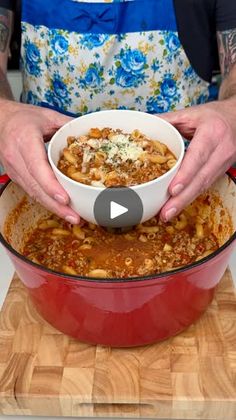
(119, 148)
(122, 148)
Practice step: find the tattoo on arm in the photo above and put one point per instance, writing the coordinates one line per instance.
(4, 28)
(4, 34)
(227, 50)
(228, 85)
(6, 17)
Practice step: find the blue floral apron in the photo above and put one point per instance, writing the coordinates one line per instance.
(83, 56)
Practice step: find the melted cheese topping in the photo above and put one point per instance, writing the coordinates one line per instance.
(119, 148)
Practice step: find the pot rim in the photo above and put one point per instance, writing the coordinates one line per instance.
(111, 280)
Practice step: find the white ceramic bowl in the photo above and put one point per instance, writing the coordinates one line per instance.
(153, 194)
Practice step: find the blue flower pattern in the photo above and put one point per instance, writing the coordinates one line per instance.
(93, 78)
(32, 58)
(59, 94)
(92, 41)
(59, 44)
(158, 104)
(78, 73)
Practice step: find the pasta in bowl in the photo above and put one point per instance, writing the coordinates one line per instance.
(116, 148)
(110, 158)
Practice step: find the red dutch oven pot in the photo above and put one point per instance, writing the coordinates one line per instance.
(120, 312)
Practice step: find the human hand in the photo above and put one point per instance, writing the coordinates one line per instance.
(23, 130)
(212, 130)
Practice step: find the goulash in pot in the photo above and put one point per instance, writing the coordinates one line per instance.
(149, 248)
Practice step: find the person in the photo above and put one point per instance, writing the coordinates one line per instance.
(151, 55)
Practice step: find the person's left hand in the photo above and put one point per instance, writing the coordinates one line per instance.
(212, 130)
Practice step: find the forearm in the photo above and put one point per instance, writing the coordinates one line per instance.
(5, 89)
(7, 103)
(227, 98)
(6, 24)
(228, 86)
(227, 58)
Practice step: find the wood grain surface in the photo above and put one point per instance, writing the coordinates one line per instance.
(191, 376)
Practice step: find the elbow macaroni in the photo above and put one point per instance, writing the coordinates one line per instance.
(114, 158)
(149, 248)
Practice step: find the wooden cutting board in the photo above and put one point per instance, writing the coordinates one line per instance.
(191, 376)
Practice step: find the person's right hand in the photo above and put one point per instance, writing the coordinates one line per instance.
(23, 130)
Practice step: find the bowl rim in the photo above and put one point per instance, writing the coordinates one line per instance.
(134, 187)
(115, 280)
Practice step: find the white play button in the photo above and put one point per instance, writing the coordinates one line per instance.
(118, 207)
(117, 210)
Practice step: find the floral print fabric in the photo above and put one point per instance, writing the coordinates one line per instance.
(80, 73)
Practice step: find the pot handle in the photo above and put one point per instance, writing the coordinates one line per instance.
(4, 178)
(232, 171)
